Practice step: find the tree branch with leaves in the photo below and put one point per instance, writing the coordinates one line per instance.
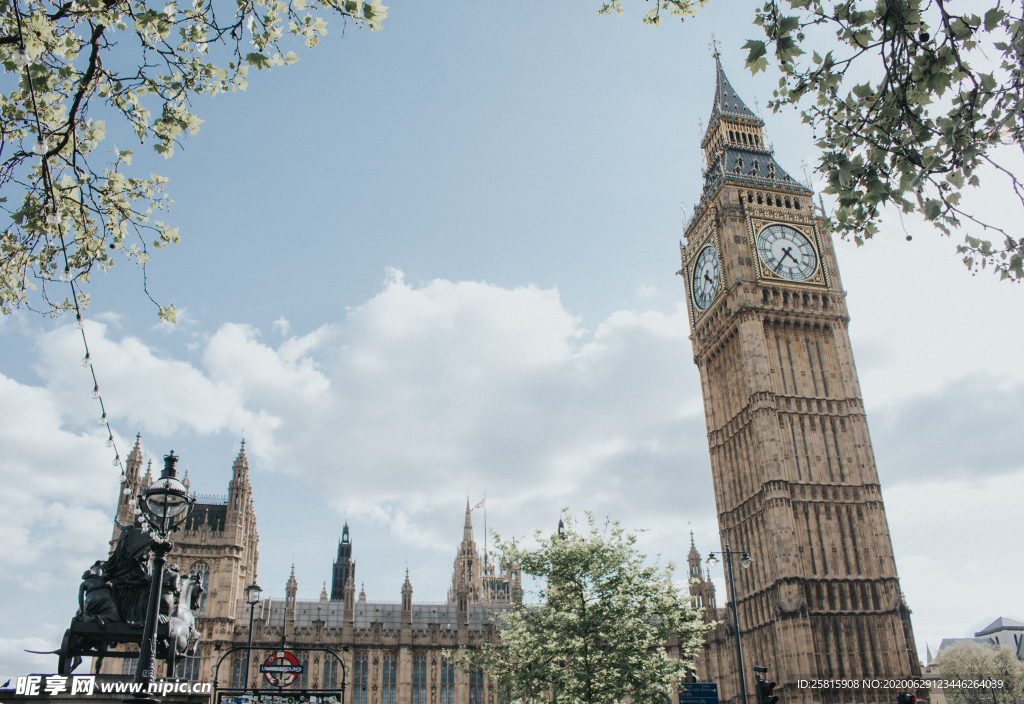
(71, 209)
(600, 627)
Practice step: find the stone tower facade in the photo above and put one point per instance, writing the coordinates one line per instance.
(344, 566)
(793, 469)
(219, 540)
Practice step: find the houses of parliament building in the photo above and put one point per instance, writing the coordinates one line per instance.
(794, 476)
(390, 651)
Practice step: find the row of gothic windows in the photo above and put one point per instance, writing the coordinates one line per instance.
(419, 679)
(389, 675)
(750, 140)
(360, 667)
(447, 682)
(777, 201)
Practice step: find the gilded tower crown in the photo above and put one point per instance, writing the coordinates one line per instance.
(735, 148)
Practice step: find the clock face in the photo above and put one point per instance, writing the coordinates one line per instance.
(705, 277)
(787, 252)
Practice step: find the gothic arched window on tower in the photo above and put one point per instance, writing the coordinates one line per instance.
(238, 672)
(360, 669)
(419, 679)
(128, 665)
(303, 681)
(476, 685)
(447, 682)
(388, 679)
(331, 673)
(187, 669)
(203, 570)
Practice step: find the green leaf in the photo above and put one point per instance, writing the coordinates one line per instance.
(757, 52)
(993, 17)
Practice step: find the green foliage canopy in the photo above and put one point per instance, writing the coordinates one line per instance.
(598, 631)
(144, 62)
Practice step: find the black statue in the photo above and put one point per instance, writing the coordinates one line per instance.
(128, 572)
(96, 597)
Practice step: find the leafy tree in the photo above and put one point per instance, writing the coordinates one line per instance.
(143, 63)
(978, 663)
(909, 98)
(598, 631)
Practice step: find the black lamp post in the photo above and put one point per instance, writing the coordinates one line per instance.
(252, 597)
(165, 505)
(745, 561)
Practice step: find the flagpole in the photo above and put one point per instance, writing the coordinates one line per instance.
(485, 529)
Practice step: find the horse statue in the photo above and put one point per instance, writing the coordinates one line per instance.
(182, 636)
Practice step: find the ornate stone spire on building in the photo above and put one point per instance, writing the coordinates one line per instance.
(350, 600)
(239, 489)
(362, 593)
(344, 566)
(735, 148)
(133, 465)
(407, 600)
(467, 576)
(148, 479)
(130, 487)
(323, 593)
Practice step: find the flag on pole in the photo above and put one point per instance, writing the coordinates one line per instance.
(477, 506)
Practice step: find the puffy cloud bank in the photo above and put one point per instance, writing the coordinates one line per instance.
(411, 401)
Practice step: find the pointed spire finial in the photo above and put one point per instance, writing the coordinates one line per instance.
(714, 46)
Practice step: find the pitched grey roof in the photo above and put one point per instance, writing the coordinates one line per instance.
(332, 613)
(949, 642)
(727, 102)
(747, 165)
(1000, 624)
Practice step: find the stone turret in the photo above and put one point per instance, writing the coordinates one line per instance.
(407, 599)
(291, 590)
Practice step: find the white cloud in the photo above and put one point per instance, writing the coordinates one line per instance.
(416, 398)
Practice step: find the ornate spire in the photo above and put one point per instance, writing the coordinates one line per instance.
(292, 588)
(736, 151)
(241, 462)
(467, 530)
(323, 593)
(148, 479)
(727, 102)
(362, 593)
(344, 566)
(134, 461)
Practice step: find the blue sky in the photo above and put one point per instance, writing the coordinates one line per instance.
(439, 260)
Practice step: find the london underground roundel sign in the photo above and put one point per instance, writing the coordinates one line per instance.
(281, 668)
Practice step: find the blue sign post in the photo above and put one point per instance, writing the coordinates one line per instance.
(698, 693)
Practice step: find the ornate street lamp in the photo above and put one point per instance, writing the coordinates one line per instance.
(745, 560)
(252, 597)
(165, 505)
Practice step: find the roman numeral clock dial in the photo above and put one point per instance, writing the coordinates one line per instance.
(705, 277)
(787, 252)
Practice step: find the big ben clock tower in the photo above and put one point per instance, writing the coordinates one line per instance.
(794, 473)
